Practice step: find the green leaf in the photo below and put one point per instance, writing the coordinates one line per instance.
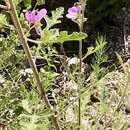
(50, 36)
(103, 108)
(100, 44)
(54, 36)
(27, 3)
(43, 127)
(90, 50)
(26, 106)
(48, 78)
(3, 21)
(16, 2)
(54, 19)
(75, 36)
(85, 98)
(34, 122)
(40, 2)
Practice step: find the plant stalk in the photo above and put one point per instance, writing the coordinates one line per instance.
(83, 5)
(26, 48)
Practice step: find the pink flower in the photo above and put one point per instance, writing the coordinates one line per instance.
(35, 16)
(74, 12)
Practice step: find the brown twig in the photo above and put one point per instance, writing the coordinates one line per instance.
(4, 7)
(26, 48)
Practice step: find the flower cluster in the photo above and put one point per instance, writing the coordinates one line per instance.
(34, 17)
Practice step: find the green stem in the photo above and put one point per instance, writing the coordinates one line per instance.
(34, 41)
(26, 48)
(64, 62)
(83, 3)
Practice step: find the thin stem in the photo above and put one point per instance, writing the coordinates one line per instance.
(29, 30)
(34, 41)
(4, 67)
(26, 48)
(86, 55)
(65, 65)
(83, 3)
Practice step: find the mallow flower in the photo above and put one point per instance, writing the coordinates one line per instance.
(74, 12)
(34, 17)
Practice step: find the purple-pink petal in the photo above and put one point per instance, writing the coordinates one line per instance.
(35, 16)
(41, 14)
(30, 16)
(73, 12)
(74, 9)
(70, 16)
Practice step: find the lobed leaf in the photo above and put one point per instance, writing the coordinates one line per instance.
(54, 36)
(55, 18)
